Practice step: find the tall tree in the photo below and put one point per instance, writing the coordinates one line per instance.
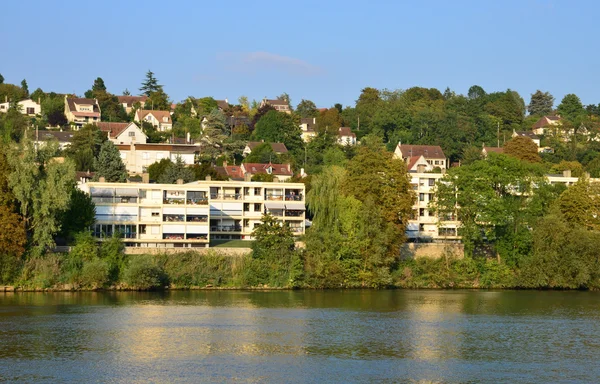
(276, 127)
(150, 84)
(1, 79)
(214, 134)
(25, 87)
(541, 103)
(329, 121)
(109, 164)
(98, 85)
(176, 171)
(307, 108)
(126, 92)
(522, 148)
(571, 108)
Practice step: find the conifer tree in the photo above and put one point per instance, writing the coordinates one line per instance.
(109, 164)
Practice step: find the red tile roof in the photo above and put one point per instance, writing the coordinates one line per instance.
(276, 169)
(113, 129)
(545, 121)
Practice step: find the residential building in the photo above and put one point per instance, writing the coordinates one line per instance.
(190, 215)
(485, 150)
(27, 107)
(308, 125)
(346, 136)
(279, 105)
(527, 134)
(79, 111)
(245, 171)
(433, 154)
(547, 125)
(161, 120)
(123, 133)
(64, 138)
(128, 102)
(223, 105)
(138, 157)
(278, 148)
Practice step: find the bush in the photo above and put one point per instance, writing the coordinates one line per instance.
(41, 272)
(94, 274)
(143, 273)
(195, 269)
(113, 252)
(9, 268)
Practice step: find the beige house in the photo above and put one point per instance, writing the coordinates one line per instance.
(346, 136)
(278, 148)
(529, 135)
(138, 157)
(123, 133)
(27, 107)
(80, 111)
(129, 101)
(245, 171)
(279, 105)
(433, 154)
(547, 125)
(308, 126)
(159, 119)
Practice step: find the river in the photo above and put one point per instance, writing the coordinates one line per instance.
(300, 336)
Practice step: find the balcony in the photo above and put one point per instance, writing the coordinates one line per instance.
(174, 200)
(203, 201)
(272, 197)
(296, 229)
(232, 196)
(293, 197)
(225, 228)
(294, 213)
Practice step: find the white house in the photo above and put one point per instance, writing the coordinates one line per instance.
(123, 133)
(433, 154)
(159, 119)
(308, 126)
(138, 157)
(346, 136)
(80, 111)
(529, 135)
(27, 107)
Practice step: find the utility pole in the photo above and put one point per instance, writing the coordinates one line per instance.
(498, 135)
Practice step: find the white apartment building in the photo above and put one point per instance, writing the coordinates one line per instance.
(190, 215)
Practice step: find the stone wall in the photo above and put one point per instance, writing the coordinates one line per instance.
(433, 250)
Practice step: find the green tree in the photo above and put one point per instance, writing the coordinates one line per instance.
(275, 127)
(329, 121)
(150, 84)
(109, 164)
(1, 79)
(53, 110)
(80, 214)
(571, 108)
(214, 134)
(156, 169)
(99, 85)
(85, 147)
(158, 100)
(541, 103)
(263, 153)
(522, 148)
(176, 171)
(307, 108)
(126, 92)
(580, 204)
(25, 88)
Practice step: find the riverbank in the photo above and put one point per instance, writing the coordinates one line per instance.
(218, 270)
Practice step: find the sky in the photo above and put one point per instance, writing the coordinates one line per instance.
(324, 51)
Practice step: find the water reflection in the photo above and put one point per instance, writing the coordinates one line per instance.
(299, 336)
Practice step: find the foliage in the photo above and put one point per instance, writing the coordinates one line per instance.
(263, 153)
(85, 147)
(176, 171)
(80, 214)
(157, 169)
(13, 237)
(112, 251)
(522, 148)
(109, 164)
(580, 204)
(204, 169)
(142, 273)
(277, 127)
(264, 177)
(570, 108)
(307, 108)
(541, 103)
(329, 121)
(150, 84)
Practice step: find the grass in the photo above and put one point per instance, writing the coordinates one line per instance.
(231, 243)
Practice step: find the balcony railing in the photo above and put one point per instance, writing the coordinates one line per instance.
(275, 197)
(232, 196)
(296, 229)
(197, 201)
(226, 228)
(293, 197)
(176, 201)
(294, 213)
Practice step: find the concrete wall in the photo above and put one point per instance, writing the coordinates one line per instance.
(433, 250)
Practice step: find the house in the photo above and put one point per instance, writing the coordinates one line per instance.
(123, 133)
(129, 101)
(191, 215)
(527, 134)
(161, 120)
(308, 125)
(223, 105)
(27, 107)
(485, 150)
(346, 136)
(64, 138)
(547, 125)
(80, 111)
(278, 148)
(433, 154)
(279, 105)
(138, 157)
(245, 171)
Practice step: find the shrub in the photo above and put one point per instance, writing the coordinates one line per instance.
(143, 273)
(94, 274)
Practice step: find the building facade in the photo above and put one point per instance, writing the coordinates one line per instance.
(190, 215)
(27, 107)
(138, 157)
(79, 111)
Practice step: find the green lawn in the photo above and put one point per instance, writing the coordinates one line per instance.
(231, 243)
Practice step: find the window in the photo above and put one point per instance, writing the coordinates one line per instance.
(421, 227)
(430, 197)
(131, 133)
(422, 212)
(145, 155)
(431, 182)
(30, 111)
(421, 197)
(257, 208)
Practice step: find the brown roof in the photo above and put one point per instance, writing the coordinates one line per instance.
(62, 137)
(277, 147)
(412, 161)
(130, 100)
(311, 123)
(277, 102)
(531, 135)
(234, 172)
(346, 131)
(276, 169)
(427, 151)
(157, 114)
(545, 121)
(223, 104)
(113, 129)
(494, 149)
(71, 101)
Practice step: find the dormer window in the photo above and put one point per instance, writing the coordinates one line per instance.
(165, 119)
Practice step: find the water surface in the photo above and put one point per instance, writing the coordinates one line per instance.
(301, 336)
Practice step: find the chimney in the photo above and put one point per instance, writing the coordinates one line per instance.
(145, 178)
(188, 138)
(179, 181)
(567, 173)
(302, 172)
(208, 178)
(102, 179)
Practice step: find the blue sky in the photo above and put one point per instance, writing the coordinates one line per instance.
(326, 51)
